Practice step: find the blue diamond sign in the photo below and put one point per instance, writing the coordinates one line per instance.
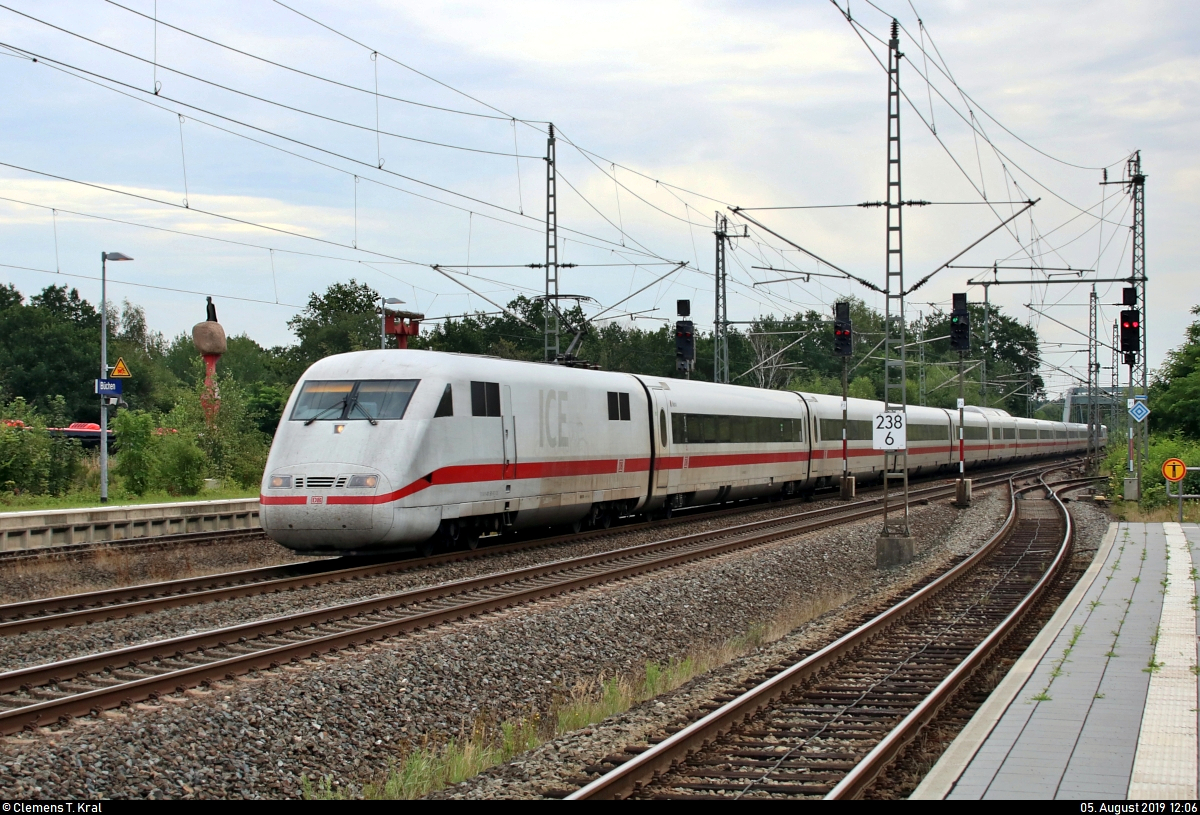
(1139, 411)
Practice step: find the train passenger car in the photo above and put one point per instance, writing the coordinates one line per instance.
(723, 442)
(386, 449)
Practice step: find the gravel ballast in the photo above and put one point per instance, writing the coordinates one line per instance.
(39, 647)
(351, 715)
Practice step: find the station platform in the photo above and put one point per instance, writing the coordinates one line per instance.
(1103, 703)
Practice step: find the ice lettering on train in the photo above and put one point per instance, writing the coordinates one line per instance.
(552, 416)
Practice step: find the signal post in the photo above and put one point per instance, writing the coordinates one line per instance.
(843, 346)
(960, 340)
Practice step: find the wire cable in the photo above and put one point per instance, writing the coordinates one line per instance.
(256, 97)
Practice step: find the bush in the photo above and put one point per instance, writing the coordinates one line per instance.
(31, 460)
(233, 447)
(181, 463)
(136, 453)
(1154, 492)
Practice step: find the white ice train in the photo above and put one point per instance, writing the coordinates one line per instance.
(387, 449)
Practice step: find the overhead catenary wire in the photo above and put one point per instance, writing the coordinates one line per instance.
(69, 69)
(256, 97)
(300, 71)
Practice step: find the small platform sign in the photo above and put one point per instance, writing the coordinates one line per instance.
(1139, 411)
(889, 431)
(1174, 469)
(108, 387)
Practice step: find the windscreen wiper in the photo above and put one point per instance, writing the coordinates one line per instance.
(341, 403)
(370, 418)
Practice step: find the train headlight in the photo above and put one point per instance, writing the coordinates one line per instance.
(281, 482)
(363, 481)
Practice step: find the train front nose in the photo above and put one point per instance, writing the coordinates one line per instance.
(326, 508)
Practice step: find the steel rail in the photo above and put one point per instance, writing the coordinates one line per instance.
(110, 604)
(855, 783)
(743, 536)
(624, 779)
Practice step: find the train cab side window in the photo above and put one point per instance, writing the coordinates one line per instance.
(446, 406)
(618, 407)
(485, 398)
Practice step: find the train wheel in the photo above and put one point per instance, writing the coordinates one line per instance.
(472, 540)
(577, 526)
(606, 520)
(428, 548)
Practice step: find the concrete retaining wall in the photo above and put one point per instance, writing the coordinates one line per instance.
(63, 527)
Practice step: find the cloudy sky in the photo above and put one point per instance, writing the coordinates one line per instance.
(291, 146)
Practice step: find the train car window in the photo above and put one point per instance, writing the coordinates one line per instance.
(1060, 434)
(856, 430)
(321, 399)
(1010, 432)
(974, 433)
(662, 427)
(381, 399)
(485, 399)
(701, 428)
(1028, 433)
(1045, 434)
(348, 400)
(618, 407)
(996, 434)
(446, 406)
(928, 432)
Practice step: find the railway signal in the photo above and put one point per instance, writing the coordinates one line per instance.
(685, 345)
(843, 331)
(960, 324)
(1131, 329)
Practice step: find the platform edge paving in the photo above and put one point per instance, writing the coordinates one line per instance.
(1165, 764)
(939, 782)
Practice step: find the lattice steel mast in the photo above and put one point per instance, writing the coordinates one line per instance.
(721, 306)
(1093, 385)
(550, 310)
(895, 373)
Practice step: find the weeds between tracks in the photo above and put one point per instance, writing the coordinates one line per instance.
(428, 766)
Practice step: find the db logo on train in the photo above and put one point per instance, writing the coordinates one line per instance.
(1174, 469)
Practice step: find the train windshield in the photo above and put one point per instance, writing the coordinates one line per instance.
(353, 400)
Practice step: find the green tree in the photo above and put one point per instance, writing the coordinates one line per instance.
(1175, 389)
(344, 318)
(50, 347)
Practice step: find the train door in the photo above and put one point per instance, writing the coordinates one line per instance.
(662, 440)
(508, 424)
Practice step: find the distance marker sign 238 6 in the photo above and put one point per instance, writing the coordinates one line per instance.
(889, 431)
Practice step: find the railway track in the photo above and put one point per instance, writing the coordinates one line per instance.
(826, 726)
(116, 603)
(45, 694)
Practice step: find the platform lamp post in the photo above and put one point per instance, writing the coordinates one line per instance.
(105, 257)
(384, 302)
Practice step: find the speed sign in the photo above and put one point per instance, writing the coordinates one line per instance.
(889, 431)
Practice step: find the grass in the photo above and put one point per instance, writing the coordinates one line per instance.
(85, 500)
(431, 765)
(1132, 512)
